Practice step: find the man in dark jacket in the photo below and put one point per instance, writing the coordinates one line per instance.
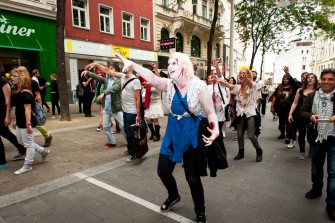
(319, 108)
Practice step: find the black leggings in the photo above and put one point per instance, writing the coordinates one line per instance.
(165, 169)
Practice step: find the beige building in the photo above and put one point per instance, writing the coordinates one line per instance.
(189, 23)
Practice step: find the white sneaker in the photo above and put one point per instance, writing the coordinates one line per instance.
(302, 156)
(291, 144)
(53, 116)
(24, 169)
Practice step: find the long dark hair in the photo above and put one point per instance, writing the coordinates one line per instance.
(304, 84)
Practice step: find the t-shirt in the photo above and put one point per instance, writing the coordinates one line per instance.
(35, 87)
(88, 87)
(128, 93)
(259, 84)
(42, 83)
(19, 100)
(245, 105)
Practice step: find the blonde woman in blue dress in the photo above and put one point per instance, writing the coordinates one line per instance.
(181, 137)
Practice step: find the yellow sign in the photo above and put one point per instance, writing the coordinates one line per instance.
(245, 67)
(123, 51)
(69, 46)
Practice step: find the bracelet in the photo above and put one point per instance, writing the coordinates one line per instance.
(28, 125)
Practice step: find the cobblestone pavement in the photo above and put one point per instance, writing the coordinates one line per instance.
(83, 182)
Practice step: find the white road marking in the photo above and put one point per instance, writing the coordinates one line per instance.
(137, 200)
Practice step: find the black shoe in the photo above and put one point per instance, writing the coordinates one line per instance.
(169, 203)
(240, 154)
(89, 116)
(281, 137)
(201, 218)
(312, 194)
(331, 211)
(259, 156)
(287, 141)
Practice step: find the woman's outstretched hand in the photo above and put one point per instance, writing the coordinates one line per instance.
(126, 63)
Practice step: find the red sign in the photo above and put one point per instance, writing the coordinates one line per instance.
(168, 43)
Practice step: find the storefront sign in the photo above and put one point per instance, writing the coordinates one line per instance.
(123, 51)
(7, 28)
(168, 43)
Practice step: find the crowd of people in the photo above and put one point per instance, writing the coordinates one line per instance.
(134, 95)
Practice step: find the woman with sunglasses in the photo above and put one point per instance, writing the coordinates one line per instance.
(246, 112)
(24, 122)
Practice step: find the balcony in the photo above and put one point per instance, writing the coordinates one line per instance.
(181, 18)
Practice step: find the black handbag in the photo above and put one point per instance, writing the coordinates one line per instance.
(215, 156)
(140, 140)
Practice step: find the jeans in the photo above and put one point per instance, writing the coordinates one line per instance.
(250, 126)
(43, 131)
(129, 119)
(319, 152)
(165, 169)
(27, 140)
(107, 124)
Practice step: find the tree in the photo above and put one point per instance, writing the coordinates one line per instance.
(211, 37)
(261, 23)
(60, 59)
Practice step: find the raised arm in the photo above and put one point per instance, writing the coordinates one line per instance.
(226, 84)
(157, 82)
(104, 69)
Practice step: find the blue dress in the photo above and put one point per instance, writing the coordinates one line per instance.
(180, 134)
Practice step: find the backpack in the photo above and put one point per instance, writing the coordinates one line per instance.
(38, 112)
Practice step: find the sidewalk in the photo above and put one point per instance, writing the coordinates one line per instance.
(83, 182)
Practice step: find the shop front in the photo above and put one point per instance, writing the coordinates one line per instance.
(28, 41)
(80, 53)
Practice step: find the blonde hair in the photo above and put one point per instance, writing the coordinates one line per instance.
(25, 82)
(186, 62)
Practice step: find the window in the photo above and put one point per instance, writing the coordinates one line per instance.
(204, 8)
(106, 20)
(127, 25)
(194, 3)
(165, 3)
(211, 14)
(218, 22)
(145, 30)
(303, 67)
(302, 52)
(195, 46)
(79, 13)
(165, 35)
(307, 51)
(179, 43)
(180, 5)
(217, 51)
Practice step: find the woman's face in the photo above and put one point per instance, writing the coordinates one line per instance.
(285, 81)
(231, 81)
(175, 69)
(15, 78)
(311, 79)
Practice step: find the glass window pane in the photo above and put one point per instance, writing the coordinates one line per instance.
(108, 25)
(102, 25)
(82, 19)
(75, 17)
(104, 11)
(78, 3)
(126, 17)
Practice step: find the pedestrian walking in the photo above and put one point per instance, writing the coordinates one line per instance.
(282, 100)
(309, 85)
(181, 136)
(110, 98)
(43, 85)
(319, 108)
(24, 121)
(54, 95)
(37, 95)
(153, 107)
(131, 102)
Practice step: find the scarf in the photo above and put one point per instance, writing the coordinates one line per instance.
(323, 106)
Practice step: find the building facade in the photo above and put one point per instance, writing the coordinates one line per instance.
(298, 58)
(28, 35)
(189, 23)
(94, 28)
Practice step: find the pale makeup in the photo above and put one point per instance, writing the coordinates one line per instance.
(175, 69)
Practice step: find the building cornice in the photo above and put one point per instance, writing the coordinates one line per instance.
(45, 10)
